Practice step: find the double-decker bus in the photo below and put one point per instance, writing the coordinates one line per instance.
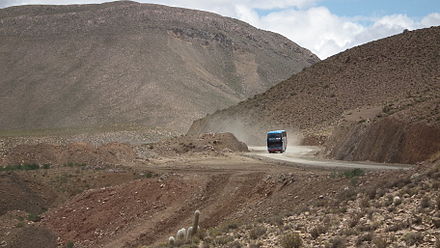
(277, 141)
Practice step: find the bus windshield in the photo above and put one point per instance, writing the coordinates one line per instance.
(276, 141)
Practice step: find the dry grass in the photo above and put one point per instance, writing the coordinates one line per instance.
(291, 240)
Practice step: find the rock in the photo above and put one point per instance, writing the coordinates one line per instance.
(397, 201)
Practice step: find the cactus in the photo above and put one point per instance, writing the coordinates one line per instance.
(195, 226)
(171, 241)
(189, 233)
(184, 235)
(181, 235)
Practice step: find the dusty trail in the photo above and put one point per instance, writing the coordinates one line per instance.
(303, 155)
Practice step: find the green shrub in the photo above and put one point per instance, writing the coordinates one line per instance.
(291, 240)
(33, 217)
(31, 167)
(19, 224)
(70, 244)
(354, 173)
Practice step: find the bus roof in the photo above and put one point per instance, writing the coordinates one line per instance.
(276, 131)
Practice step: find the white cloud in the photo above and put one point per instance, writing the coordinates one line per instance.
(326, 34)
(311, 26)
(431, 20)
(315, 28)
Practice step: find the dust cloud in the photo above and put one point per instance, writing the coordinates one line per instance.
(254, 134)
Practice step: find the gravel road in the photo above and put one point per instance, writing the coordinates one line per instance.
(305, 155)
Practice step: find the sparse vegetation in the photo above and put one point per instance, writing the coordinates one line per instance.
(425, 203)
(46, 166)
(380, 242)
(337, 242)
(354, 173)
(20, 224)
(257, 232)
(291, 240)
(318, 230)
(364, 238)
(33, 217)
(413, 238)
(24, 167)
(74, 164)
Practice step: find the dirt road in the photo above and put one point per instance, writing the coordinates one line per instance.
(304, 155)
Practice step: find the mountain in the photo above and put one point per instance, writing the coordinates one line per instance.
(126, 62)
(379, 101)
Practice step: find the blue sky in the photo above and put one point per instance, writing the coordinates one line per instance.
(413, 8)
(325, 27)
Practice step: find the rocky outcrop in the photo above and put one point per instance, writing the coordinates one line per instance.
(387, 140)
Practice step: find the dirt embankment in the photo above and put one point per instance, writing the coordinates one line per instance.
(209, 143)
(118, 153)
(387, 140)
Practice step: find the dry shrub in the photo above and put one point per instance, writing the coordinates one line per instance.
(347, 195)
(413, 238)
(254, 245)
(257, 232)
(371, 192)
(364, 203)
(235, 244)
(425, 203)
(380, 242)
(364, 237)
(223, 240)
(398, 226)
(400, 182)
(291, 240)
(354, 219)
(276, 220)
(337, 242)
(318, 230)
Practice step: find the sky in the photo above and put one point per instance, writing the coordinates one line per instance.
(326, 27)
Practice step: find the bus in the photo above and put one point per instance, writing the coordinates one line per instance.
(277, 141)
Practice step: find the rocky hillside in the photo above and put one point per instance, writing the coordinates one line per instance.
(383, 97)
(125, 62)
(377, 210)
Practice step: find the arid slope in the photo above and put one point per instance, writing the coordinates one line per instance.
(390, 80)
(125, 62)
